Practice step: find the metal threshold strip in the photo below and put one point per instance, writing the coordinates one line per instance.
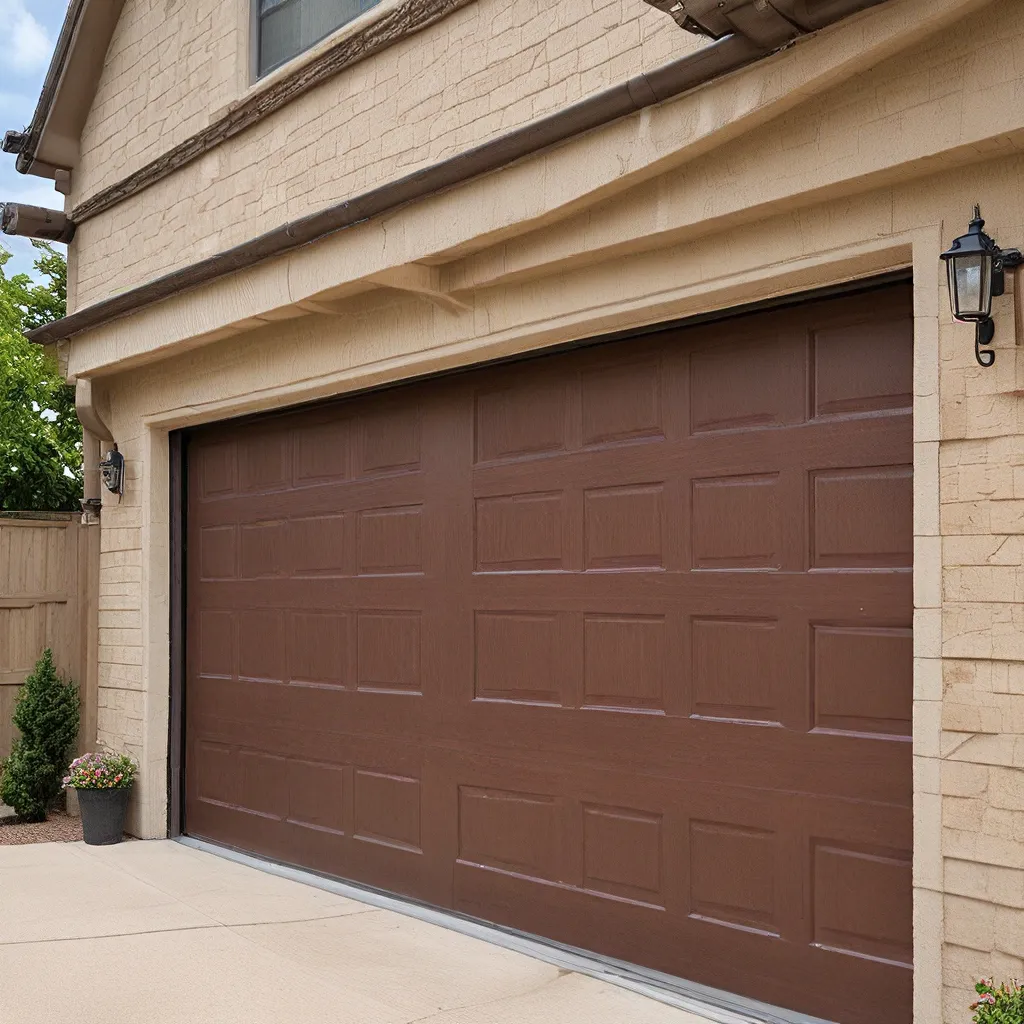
(710, 1003)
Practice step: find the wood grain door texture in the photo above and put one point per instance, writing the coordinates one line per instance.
(611, 646)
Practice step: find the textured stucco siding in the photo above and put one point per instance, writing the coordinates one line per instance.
(489, 67)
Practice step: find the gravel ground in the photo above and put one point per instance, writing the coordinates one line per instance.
(58, 828)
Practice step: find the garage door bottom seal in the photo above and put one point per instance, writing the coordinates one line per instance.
(710, 1003)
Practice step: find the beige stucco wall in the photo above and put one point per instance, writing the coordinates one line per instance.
(487, 68)
(875, 173)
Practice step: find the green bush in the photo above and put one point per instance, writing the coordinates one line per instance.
(1002, 1005)
(46, 714)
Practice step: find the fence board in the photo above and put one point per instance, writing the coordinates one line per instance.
(48, 575)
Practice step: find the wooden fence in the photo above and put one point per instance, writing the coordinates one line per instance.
(49, 568)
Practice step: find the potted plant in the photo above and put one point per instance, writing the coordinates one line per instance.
(103, 782)
(1002, 1005)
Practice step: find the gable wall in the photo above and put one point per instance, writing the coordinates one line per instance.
(173, 66)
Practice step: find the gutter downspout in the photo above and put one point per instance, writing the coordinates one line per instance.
(94, 430)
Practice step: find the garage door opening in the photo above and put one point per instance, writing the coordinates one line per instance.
(611, 646)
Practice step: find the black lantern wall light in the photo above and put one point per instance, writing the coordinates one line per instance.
(976, 267)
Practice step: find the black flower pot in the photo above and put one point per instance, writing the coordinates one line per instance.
(103, 814)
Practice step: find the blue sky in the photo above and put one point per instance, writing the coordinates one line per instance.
(29, 29)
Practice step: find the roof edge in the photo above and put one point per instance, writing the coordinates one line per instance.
(26, 160)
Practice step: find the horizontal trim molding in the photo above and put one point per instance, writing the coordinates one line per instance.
(719, 58)
(404, 20)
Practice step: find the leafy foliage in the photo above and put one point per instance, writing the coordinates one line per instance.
(46, 713)
(101, 771)
(40, 436)
(1002, 1005)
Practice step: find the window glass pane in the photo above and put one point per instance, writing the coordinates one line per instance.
(287, 27)
(280, 37)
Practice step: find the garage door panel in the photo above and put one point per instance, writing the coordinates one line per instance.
(730, 958)
(822, 593)
(291, 720)
(697, 752)
(614, 646)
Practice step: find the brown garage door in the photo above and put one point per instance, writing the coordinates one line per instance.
(611, 646)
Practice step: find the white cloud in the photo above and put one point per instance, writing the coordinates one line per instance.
(29, 46)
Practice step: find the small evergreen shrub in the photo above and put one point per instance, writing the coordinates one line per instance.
(46, 714)
(1002, 1005)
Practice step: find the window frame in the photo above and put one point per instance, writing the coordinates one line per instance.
(255, 21)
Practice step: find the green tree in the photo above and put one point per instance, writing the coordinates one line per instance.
(40, 436)
(46, 714)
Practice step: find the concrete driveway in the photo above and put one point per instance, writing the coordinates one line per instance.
(156, 931)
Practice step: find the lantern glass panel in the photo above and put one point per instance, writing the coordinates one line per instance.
(970, 286)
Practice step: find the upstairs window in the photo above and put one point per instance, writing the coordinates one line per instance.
(284, 28)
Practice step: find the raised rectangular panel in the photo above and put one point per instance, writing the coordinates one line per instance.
(746, 385)
(732, 875)
(623, 527)
(736, 667)
(217, 778)
(388, 651)
(529, 419)
(510, 831)
(217, 470)
(387, 810)
(624, 662)
(520, 532)
(863, 367)
(264, 783)
(317, 795)
(322, 452)
(391, 540)
(264, 462)
(261, 645)
(863, 679)
(218, 558)
(318, 544)
(862, 901)
(735, 523)
(516, 657)
(317, 648)
(622, 853)
(216, 644)
(862, 518)
(390, 439)
(244, 780)
(264, 549)
(621, 403)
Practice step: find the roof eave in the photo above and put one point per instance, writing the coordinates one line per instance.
(69, 87)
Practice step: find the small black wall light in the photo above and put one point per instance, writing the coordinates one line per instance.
(112, 471)
(976, 267)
